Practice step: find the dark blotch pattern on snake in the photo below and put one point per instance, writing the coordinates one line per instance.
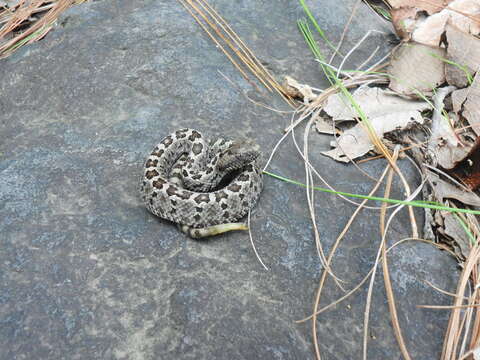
(203, 187)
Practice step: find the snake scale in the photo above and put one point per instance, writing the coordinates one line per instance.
(203, 187)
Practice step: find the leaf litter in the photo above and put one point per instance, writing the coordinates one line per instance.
(431, 87)
(419, 111)
(416, 69)
(386, 111)
(431, 107)
(412, 20)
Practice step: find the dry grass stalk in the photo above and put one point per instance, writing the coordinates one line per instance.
(441, 290)
(344, 32)
(360, 79)
(456, 323)
(386, 274)
(363, 121)
(6, 14)
(329, 261)
(19, 16)
(441, 307)
(308, 110)
(232, 46)
(379, 253)
(253, 244)
(310, 198)
(310, 192)
(359, 285)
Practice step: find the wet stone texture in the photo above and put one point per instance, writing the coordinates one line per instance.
(87, 273)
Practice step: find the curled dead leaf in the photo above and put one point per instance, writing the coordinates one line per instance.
(407, 13)
(445, 147)
(298, 91)
(404, 21)
(463, 14)
(385, 111)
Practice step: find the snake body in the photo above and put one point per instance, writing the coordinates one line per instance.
(203, 187)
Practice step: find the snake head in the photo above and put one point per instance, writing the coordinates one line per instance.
(238, 155)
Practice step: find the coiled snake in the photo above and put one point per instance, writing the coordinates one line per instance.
(203, 187)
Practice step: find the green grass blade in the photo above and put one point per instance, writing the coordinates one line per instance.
(317, 27)
(422, 204)
(465, 228)
(382, 12)
(457, 65)
(330, 74)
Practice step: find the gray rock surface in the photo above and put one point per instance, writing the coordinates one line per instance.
(87, 273)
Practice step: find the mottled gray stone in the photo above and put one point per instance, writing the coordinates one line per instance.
(87, 273)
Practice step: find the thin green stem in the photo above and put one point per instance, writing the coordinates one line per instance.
(465, 228)
(317, 27)
(422, 204)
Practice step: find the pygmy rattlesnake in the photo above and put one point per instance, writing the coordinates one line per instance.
(203, 187)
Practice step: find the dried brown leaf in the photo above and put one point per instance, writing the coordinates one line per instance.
(323, 127)
(298, 91)
(471, 110)
(430, 6)
(373, 101)
(454, 230)
(386, 113)
(404, 21)
(444, 190)
(463, 50)
(429, 30)
(458, 99)
(445, 147)
(463, 14)
(416, 68)
(449, 149)
(468, 170)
